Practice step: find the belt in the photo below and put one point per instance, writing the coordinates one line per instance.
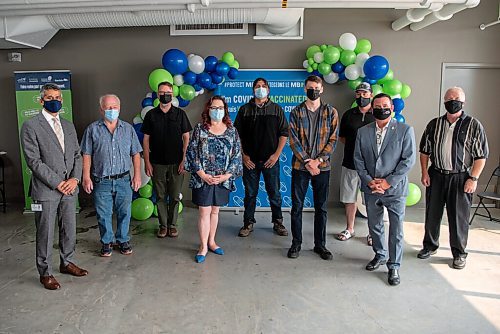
(113, 177)
(447, 172)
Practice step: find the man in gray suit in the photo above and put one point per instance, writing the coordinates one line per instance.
(383, 156)
(52, 153)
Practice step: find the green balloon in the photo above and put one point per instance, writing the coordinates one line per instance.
(388, 76)
(347, 57)
(146, 191)
(157, 76)
(175, 90)
(314, 66)
(187, 92)
(331, 55)
(156, 103)
(228, 57)
(236, 65)
(354, 104)
(323, 47)
(376, 89)
(180, 207)
(354, 83)
(312, 50)
(150, 182)
(310, 61)
(142, 208)
(414, 194)
(363, 46)
(405, 91)
(309, 69)
(392, 87)
(324, 68)
(155, 211)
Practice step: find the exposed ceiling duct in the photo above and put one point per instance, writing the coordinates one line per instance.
(32, 23)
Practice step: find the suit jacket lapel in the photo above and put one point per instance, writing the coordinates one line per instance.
(46, 126)
(390, 135)
(373, 138)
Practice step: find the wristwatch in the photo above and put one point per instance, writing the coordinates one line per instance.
(473, 178)
(321, 160)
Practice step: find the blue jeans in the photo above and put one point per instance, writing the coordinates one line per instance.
(396, 209)
(320, 184)
(251, 179)
(113, 196)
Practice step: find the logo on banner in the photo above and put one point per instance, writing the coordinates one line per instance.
(262, 186)
(287, 201)
(283, 187)
(283, 157)
(287, 170)
(238, 201)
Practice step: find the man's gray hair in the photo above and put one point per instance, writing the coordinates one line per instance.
(460, 90)
(101, 99)
(48, 86)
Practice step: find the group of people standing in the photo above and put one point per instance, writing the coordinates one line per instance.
(378, 154)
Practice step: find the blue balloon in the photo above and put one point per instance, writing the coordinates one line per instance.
(210, 63)
(233, 73)
(399, 104)
(213, 86)
(216, 79)
(376, 67)
(400, 118)
(316, 73)
(175, 61)
(342, 76)
(135, 195)
(197, 87)
(140, 135)
(154, 198)
(182, 102)
(189, 78)
(338, 67)
(147, 102)
(154, 95)
(204, 80)
(222, 68)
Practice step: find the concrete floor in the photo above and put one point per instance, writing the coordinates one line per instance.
(254, 288)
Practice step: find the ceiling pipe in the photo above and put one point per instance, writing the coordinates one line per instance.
(415, 15)
(444, 14)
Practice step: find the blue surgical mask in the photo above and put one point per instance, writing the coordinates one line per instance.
(111, 114)
(52, 106)
(216, 114)
(261, 93)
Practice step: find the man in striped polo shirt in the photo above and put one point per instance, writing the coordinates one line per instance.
(457, 147)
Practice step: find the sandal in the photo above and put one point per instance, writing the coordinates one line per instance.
(344, 235)
(369, 240)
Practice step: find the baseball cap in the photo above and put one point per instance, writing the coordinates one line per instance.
(364, 86)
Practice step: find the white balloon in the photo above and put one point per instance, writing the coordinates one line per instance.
(145, 110)
(149, 95)
(190, 55)
(305, 64)
(144, 177)
(318, 57)
(196, 64)
(178, 80)
(397, 96)
(352, 72)
(331, 77)
(361, 59)
(348, 41)
(175, 101)
(137, 120)
(201, 91)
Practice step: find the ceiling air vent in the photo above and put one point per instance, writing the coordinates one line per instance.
(209, 29)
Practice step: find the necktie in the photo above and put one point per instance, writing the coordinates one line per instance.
(58, 131)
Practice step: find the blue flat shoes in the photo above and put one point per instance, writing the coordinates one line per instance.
(218, 251)
(199, 258)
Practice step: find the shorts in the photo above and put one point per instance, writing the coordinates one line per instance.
(211, 195)
(349, 185)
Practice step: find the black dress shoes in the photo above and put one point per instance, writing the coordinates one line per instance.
(323, 253)
(375, 263)
(459, 262)
(393, 277)
(425, 253)
(293, 252)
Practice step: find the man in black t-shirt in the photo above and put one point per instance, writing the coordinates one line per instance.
(352, 120)
(166, 137)
(263, 130)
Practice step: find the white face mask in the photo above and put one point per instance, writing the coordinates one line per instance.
(261, 92)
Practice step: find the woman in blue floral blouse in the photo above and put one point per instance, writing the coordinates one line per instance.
(214, 159)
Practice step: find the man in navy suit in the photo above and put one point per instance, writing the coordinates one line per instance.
(383, 156)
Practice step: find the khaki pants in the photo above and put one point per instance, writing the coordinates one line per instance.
(167, 183)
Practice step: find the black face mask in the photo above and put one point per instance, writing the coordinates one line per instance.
(381, 113)
(313, 94)
(165, 98)
(453, 106)
(362, 101)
